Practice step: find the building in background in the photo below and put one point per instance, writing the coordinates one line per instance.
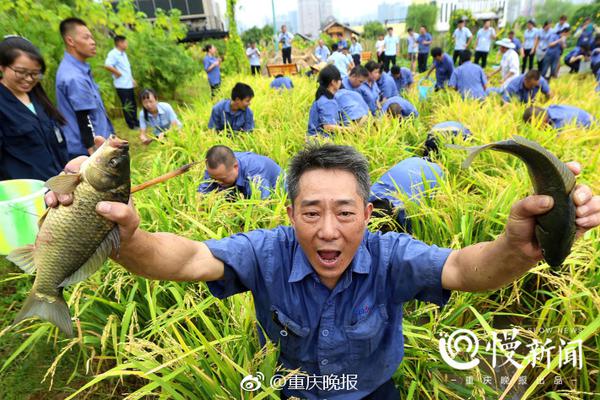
(290, 20)
(311, 15)
(335, 28)
(482, 9)
(521, 8)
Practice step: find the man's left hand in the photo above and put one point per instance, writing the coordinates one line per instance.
(520, 228)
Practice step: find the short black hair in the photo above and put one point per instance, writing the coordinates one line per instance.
(395, 110)
(533, 74)
(389, 28)
(372, 66)
(359, 70)
(531, 112)
(68, 24)
(241, 91)
(119, 39)
(334, 47)
(410, 29)
(395, 70)
(511, 32)
(331, 157)
(220, 155)
(565, 29)
(436, 51)
(465, 56)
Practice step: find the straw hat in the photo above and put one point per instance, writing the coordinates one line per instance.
(318, 67)
(505, 43)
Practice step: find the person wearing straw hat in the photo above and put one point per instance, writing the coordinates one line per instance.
(509, 65)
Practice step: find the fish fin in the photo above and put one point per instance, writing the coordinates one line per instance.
(93, 264)
(56, 312)
(473, 152)
(43, 217)
(63, 183)
(22, 257)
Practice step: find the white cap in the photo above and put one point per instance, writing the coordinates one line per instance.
(505, 43)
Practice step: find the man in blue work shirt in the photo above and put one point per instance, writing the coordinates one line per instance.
(77, 95)
(402, 76)
(468, 79)
(517, 43)
(239, 171)
(340, 58)
(322, 52)
(411, 177)
(356, 80)
(424, 41)
(285, 38)
(369, 88)
(391, 43)
(330, 292)
(387, 86)
(234, 113)
(281, 82)
(559, 115)
(352, 106)
(118, 64)
(442, 63)
(462, 38)
(526, 87)
(399, 107)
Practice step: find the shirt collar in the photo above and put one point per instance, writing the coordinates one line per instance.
(80, 65)
(241, 173)
(301, 267)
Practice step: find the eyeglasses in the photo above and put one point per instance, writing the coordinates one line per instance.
(21, 74)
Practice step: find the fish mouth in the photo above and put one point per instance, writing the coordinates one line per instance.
(117, 143)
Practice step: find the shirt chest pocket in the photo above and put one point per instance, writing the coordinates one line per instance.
(365, 336)
(291, 335)
(23, 135)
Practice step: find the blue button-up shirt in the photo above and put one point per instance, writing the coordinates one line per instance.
(424, 48)
(214, 75)
(282, 82)
(77, 91)
(556, 50)
(118, 60)
(409, 176)
(341, 62)
(322, 53)
(516, 88)
(253, 169)
(469, 80)
(561, 115)
(404, 80)
(461, 37)
(407, 108)
(387, 86)
(484, 39)
(221, 116)
(544, 39)
(365, 91)
(323, 111)
(517, 44)
(443, 70)
(285, 39)
(453, 127)
(529, 37)
(355, 48)
(351, 104)
(162, 121)
(347, 330)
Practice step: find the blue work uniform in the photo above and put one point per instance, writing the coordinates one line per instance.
(118, 59)
(214, 75)
(31, 144)
(324, 111)
(404, 80)
(162, 121)
(322, 53)
(443, 70)
(529, 36)
(424, 48)
(407, 108)
(453, 127)
(562, 115)
(252, 169)
(387, 86)
(347, 330)
(77, 91)
(341, 62)
(238, 121)
(598, 81)
(517, 44)
(469, 80)
(351, 104)
(516, 88)
(282, 82)
(365, 91)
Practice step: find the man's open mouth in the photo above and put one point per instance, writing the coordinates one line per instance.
(329, 257)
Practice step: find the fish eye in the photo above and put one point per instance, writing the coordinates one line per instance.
(113, 162)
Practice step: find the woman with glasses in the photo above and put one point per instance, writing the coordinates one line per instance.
(31, 143)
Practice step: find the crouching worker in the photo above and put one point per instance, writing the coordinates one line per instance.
(412, 177)
(352, 106)
(399, 107)
(238, 171)
(281, 82)
(559, 115)
(451, 128)
(234, 113)
(158, 117)
(327, 291)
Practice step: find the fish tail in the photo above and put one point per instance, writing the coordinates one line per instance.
(53, 310)
(473, 152)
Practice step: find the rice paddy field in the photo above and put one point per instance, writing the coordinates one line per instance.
(141, 339)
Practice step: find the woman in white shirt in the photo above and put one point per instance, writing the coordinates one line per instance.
(380, 47)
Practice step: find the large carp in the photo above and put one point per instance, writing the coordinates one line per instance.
(74, 241)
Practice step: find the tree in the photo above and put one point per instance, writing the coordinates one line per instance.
(588, 10)
(421, 14)
(458, 15)
(372, 29)
(254, 34)
(236, 60)
(551, 10)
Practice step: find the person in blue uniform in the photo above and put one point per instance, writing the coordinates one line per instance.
(352, 106)
(402, 76)
(443, 65)
(212, 67)
(574, 58)
(235, 113)
(356, 80)
(387, 86)
(526, 87)
(324, 115)
(469, 79)
(517, 43)
(556, 44)
(281, 82)
(156, 117)
(559, 115)
(328, 292)
(31, 142)
(77, 94)
(411, 177)
(443, 129)
(369, 88)
(117, 63)
(239, 171)
(399, 107)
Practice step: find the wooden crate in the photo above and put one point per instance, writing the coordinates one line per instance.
(282, 69)
(365, 56)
